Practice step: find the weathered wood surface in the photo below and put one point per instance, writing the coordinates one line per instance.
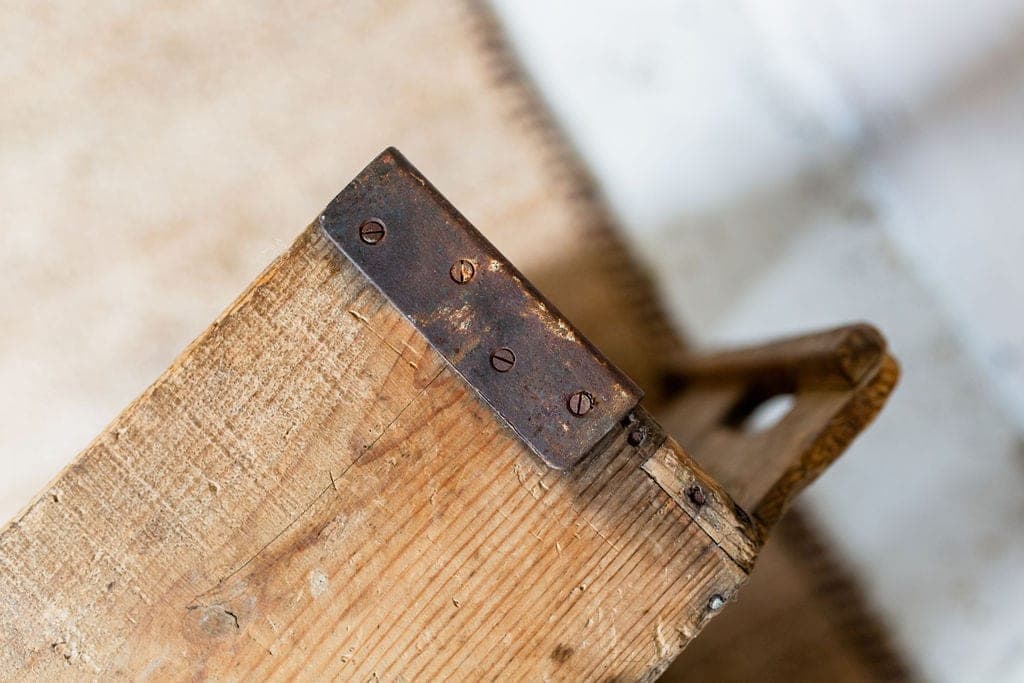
(707, 501)
(310, 491)
(802, 616)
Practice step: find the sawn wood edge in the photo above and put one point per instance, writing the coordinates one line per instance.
(706, 502)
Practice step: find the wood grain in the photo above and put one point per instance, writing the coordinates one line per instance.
(797, 620)
(707, 501)
(310, 491)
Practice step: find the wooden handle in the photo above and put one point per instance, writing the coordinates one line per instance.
(836, 382)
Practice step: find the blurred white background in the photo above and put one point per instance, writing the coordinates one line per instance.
(790, 165)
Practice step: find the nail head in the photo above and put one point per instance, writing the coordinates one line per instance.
(696, 495)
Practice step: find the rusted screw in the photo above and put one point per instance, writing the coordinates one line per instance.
(696, 495)
(372, 231)
(462, 271)
(716, 602)
(637, 436)
(580, 403)
(503, 359)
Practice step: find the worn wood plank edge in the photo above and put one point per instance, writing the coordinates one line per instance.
(706, 502)
(45, 493)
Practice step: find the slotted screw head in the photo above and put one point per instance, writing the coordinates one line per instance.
(372, 231)
(462, 271)
(580, 403)
(503, 359)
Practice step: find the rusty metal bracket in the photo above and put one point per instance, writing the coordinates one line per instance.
(556, 391)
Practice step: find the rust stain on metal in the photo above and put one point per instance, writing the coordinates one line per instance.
(559, 394)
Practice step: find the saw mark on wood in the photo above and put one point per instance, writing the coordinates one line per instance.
(364, 320)
(266, 545)
(388, 426)
(326, 488)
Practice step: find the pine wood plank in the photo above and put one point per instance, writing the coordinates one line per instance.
(310, 491)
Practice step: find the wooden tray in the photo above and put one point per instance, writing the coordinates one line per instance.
(312, 490)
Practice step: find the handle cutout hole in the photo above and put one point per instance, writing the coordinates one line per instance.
(760, 410)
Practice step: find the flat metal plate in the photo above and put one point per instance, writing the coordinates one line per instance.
(411, 261)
